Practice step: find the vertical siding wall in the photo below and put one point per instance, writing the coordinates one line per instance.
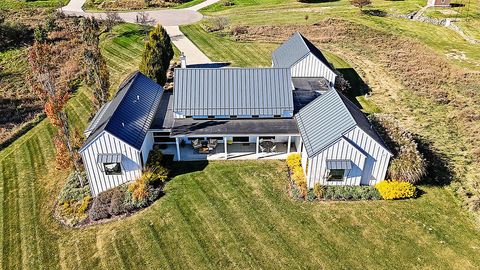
(317, 172)
(311, 66)
(147, 146)
(369, 161)
(108, 144)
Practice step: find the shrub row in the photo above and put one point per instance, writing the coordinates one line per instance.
(337, 193)
(294, 163)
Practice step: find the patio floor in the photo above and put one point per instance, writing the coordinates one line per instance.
(237, 151)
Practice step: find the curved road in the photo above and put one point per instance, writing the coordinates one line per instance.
(170, 19)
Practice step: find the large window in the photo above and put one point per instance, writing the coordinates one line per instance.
(241, 139)
(112, 168)
(336, 175)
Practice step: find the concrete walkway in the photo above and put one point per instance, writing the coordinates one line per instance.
(168, 18)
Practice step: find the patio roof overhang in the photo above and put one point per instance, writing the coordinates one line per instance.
(243, 127)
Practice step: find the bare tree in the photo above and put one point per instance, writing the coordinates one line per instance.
(112, 18)
(360, 3)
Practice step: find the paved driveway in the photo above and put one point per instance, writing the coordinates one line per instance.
(169, 18)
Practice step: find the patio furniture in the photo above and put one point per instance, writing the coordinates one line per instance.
(197, 144)
(212, 144)
(267, 145)
(274, 147)
(262, 149)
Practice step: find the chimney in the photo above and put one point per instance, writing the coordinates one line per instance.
(183, 61)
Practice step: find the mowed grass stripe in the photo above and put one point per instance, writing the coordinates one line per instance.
(11, 212)
(260, 216)
(211, 224)
(236, 205)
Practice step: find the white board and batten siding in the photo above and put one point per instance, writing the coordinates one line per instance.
(369, 160)
(106, 143)
(311, 66)
(146, 147)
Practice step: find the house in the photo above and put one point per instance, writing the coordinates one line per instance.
(438, 3)
(118, 141)
(238, 113)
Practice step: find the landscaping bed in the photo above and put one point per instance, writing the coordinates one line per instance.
(76, 207)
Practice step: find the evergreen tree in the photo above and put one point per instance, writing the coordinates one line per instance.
(157, 55)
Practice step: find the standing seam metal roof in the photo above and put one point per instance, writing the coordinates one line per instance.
(130, 112)
(294, 49)
(326, 119)
(232, 91)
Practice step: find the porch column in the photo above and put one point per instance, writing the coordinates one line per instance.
(301, 145)
(178, 148)
(289, 144)
(257, 142)
(225, 142)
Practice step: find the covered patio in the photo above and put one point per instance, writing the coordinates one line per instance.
(236, 151)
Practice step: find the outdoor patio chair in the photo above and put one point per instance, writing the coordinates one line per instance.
(197, 144)
(274, 147)
(212, 143)
(262, 149)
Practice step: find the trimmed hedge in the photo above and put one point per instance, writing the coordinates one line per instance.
(336, 193)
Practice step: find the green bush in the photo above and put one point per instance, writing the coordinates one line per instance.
(394, 189)
(310, 195)
(345, 193)
(72, 191)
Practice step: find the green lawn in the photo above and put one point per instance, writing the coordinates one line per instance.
(20, 4)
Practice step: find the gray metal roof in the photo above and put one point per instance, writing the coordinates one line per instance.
(192, 127)
(130, 112)
(326, 119)
(232, 91)
(164, 115)
(295, 49)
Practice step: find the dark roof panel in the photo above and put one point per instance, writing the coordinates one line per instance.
(130, 112)
(192, 127)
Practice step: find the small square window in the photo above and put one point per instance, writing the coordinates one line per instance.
(233, 116)
(277, 116)
(255, 116)
(112, 168)
(336, 175)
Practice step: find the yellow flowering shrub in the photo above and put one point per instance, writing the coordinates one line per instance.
(394, 189)
(294, 160)
(298, 176)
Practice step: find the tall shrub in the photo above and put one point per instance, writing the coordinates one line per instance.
(157, 55)
(408, 163)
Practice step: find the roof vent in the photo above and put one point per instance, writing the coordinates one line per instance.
(123, 124)
(138, 97)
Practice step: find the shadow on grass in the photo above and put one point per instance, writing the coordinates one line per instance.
(439, 171)
(184, 167)
(375, 12)
(357, 86)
